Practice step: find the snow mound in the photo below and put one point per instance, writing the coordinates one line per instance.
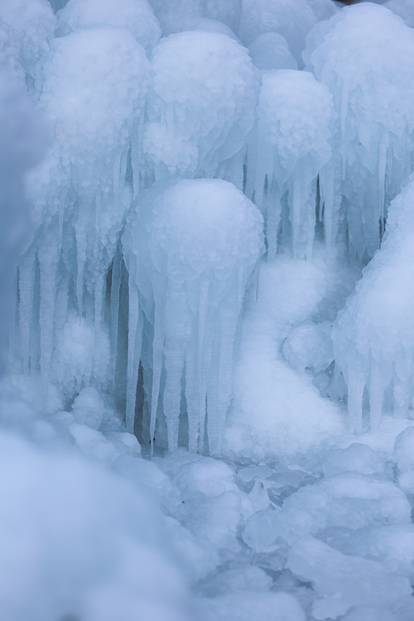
(134, 15)
(265, 419)
(79, 542)
(190, 248)
(201, 106)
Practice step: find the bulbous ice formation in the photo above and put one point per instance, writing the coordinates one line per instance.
(289, 147)
(190, 249)
(134, 15)
(270, 51)
(201, 106)
(374, 334)
(373, 92)
(93, 96)
(291, 18)
(26, 31)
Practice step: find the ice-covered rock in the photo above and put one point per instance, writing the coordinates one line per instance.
(134, 15)
(201, 106)
(347, 501)
(323, 8)
(182, 14)
(260, 532)
(190, 248)
(374, 333)
(270, 51)
(289, 147)
(374, 100)
(343, 582)
(292, 20)
(357, 457)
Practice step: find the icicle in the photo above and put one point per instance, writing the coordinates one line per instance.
(26, 303)
(356, 386)
(48, 257)
(134, 353)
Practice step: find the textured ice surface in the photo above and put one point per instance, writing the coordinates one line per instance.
(374, 335)
(358, 458)
(134, 15)
(201, 106)
(374, 100)
(290, 145)
(181, 14)
(190, 249)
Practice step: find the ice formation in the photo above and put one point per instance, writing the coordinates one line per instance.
(293, 20)
(201, 106)
(270, 51)
(289, 147)
(133, 15)
(182, 14)
(265, 420)
(374, 100)
(26, 31)
(84, 188)
(190, 249)
(373, 335)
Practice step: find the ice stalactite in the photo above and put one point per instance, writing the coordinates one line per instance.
(288, 149)
(374, 98)
(191, 248)
(93, 94)
(201, 106)
(374, 334)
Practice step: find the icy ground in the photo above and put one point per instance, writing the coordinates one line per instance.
(184, 536)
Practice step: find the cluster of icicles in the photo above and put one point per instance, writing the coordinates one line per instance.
(176, 164)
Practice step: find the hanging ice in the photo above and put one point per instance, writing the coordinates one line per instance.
(374, 334)
(190, 249)
(373, 92)
(288, 149)
(93, 96)
(202, 104)
(133, 15)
